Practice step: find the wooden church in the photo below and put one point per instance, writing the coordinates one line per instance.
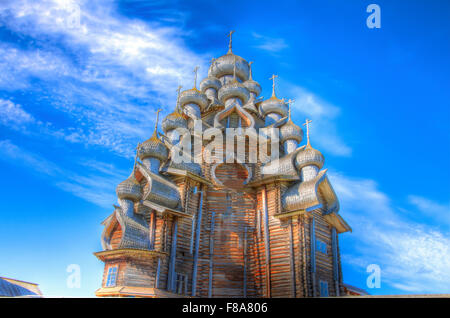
(215, 228)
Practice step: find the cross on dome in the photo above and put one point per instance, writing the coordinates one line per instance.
(307, 130)
(273, 84)
(156, 123)
(230, 35)
(195, 76)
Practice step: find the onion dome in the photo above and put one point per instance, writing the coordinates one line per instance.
(234, 89)
(153, 148)
(252, 85)
(273, 105)
(193, 96)
(291, 131)
(210, 82)
(309, 156)
(129, 189)
(224, 65)
(173, 121)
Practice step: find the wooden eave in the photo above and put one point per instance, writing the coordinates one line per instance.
(338, 222)
(128, 252)
(127, 291)
(289, 213)
(185, 173)
(165, 210)
(271, 179)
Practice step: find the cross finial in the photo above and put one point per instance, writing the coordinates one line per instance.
(138, 147)
(250, 65)
(290, 102)
(177, 108)
(230, 35)
(156, 123)
(307, 131)
(273, 83)
(195, 76)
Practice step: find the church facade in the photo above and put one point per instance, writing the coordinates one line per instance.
(216, 228)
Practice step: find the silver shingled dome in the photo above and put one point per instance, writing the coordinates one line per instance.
(153, 148)
(309, 156)
(129, 189)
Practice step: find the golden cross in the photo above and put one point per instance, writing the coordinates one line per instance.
(307, 129)
(231, 41)
(290, 102)
(273, 84)
(195, 77)
(250, 65)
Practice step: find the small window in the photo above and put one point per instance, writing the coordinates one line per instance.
(181, 286)
(321, 246)
(112, 276)
(323, 288)
(194, 190)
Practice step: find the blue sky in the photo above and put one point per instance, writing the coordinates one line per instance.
(76, 99)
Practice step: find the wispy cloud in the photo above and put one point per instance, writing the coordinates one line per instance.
(96, 184)
(323, 131)
(13, 115)
(413, 257)
(108, 72)
(436, 210)
(269, 44)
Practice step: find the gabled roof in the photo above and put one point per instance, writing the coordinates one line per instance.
(15, 288)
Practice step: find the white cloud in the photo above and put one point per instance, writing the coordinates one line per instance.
(109, 72)
(269, 44)
(323, 130)
(435, 210)
(413, 257)
(13, 115)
